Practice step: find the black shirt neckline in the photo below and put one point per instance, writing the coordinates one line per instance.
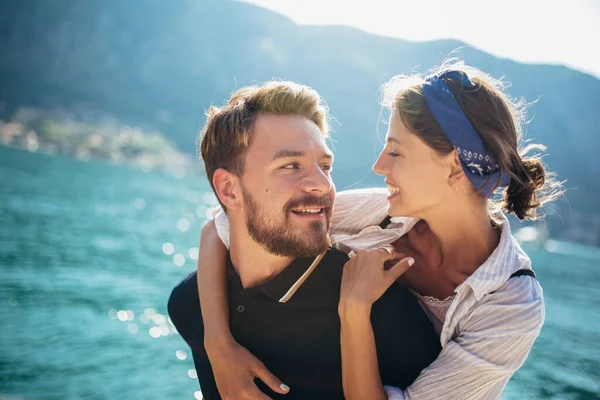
(279, 285)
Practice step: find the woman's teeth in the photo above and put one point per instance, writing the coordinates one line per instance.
(393, 189)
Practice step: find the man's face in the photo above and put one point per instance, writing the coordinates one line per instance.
(286, 186)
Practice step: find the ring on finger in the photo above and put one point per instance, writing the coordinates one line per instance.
(389, 249)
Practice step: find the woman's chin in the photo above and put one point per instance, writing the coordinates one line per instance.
(396, 210)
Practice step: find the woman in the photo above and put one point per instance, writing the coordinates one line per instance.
(452, 141)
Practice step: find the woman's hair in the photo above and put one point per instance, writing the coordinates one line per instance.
(498, 121)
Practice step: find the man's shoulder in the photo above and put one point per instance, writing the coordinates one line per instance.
(184, 291)
(334, 260)
(184, 308)
(335, 256)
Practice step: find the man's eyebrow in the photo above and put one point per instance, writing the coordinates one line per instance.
(284, 153)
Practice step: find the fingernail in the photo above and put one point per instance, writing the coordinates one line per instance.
(284, 387)
(411, 261)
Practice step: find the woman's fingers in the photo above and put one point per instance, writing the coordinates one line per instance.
(273, 382)
(235, 370)
(366, 276)
(386, 251)
(399, 268)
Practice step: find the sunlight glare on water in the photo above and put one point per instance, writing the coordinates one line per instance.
(168, 248)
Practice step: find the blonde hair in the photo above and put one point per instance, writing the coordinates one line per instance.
(228, 129)
(498, 120)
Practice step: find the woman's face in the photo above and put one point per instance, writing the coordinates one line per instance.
(417, 176)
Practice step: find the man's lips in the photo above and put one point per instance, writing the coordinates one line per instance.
(309, 210)
(313, 212)
(310, 205)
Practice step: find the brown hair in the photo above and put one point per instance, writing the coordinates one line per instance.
(228, 129)
(498, 121)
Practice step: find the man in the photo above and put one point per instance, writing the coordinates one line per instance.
(267, 161)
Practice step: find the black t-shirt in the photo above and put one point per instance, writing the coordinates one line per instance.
(299, 341)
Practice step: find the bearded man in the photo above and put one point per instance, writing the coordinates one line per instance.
(268, 163)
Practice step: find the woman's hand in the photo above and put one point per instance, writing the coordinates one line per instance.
(235, 368)
(365, 279)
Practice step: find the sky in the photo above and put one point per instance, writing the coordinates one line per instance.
(563, 32)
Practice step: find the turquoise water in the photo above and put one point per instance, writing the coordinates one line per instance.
(89, 253)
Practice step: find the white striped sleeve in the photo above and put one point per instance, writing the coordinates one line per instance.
(494, 342)
(221, 223)
(357, 209)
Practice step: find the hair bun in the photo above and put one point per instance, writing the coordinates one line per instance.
(521, 196)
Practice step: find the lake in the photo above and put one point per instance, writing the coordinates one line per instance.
(89, 253)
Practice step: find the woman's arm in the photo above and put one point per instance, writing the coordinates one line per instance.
(233, 366)
(360, 371)
(357, 215)
(494, 342)
(212, 287)
(364, 280)
(357, 209)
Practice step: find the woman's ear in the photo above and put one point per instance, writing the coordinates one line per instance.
(457, 175)
(226, 188)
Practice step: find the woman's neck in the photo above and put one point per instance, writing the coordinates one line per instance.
(463, 237)
(466, 238)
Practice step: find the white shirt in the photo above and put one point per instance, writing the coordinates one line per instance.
(435, 309)
(491, 323)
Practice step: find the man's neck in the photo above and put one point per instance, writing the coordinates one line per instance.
(252, 262)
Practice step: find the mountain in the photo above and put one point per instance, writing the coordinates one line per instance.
(162, 63)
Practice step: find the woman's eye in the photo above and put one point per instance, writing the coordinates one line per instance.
(326, 167)
(392, 154)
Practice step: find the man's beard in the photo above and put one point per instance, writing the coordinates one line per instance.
(279, 238)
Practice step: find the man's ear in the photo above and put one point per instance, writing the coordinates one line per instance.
(227, 188)
(457, 175)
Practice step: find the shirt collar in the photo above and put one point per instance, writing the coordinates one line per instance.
(507, 258)
(278, 286)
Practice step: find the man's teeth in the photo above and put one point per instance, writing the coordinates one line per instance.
(393, 189)
(318, 211)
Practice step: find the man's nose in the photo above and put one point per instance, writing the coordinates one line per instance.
(317, 181)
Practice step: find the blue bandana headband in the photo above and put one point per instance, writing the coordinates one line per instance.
(478, 165)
